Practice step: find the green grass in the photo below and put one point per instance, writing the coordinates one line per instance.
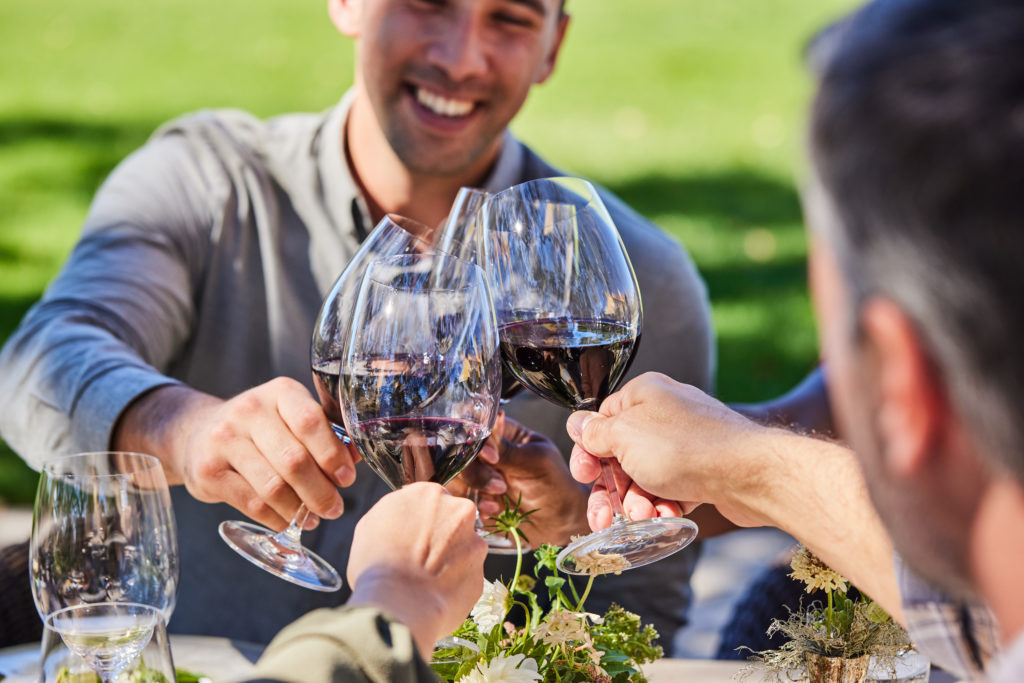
(691, 111)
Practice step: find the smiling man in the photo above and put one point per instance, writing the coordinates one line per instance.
(180, 325)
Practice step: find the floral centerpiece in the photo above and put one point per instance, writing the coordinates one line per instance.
(832, 641)
(564, 643)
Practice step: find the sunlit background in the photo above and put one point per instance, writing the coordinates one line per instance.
(691, 111)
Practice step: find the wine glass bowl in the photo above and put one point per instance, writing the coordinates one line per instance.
(103, 557)
(103, 530)
(420, 372)
(570, 319)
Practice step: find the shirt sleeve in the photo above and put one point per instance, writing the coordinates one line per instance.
(958, 636)
(118, 312)
(345, 645)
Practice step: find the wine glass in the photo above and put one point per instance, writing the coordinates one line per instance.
(570, 318)
(103, 554)
(463, 235)
(420, 376)
(281, 553)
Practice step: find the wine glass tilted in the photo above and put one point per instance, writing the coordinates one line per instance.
(103, 555)
(463, 235)
(282, 553)
(570, 319)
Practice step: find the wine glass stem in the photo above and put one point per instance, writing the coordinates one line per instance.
(608, 477)
(290, 537)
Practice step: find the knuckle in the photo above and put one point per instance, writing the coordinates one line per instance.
(293, 458)
(255, 508)
(307, 418)
(223, 433)
(274, 487)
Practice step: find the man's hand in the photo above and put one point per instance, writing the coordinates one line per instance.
(264, 451)
(672, 447)
(416, 556)
(517, 461)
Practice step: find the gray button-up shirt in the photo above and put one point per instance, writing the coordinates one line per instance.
(203, 260)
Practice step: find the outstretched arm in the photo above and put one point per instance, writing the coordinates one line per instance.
(671, 441)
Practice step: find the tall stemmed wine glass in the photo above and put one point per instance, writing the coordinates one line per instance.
(570, 318)
(421, 376)
(463, 235)
(281, 553)
(104, 555)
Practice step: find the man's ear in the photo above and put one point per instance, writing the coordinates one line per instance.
(912, 407)
(346, 16)
(556, 46)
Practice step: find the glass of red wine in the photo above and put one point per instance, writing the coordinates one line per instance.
(420, 373)
(421, 376)
(463, 235)
(570, 316)
(282, 553)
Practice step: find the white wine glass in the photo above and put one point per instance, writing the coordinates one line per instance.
(281, 553)
(570, 319)
(103, 555)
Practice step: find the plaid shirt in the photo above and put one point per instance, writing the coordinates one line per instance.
(959, 637)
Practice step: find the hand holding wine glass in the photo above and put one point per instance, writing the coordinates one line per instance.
(281, 553)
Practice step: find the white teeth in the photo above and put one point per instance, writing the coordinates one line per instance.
(442, 105)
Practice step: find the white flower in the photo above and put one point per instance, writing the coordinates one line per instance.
(490, 609)
(502, 669)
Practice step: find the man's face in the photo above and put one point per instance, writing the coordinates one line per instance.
(927, 530)
(445, 77)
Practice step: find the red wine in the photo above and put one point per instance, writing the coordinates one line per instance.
(403, 450)
(385, 382)
(574, 363)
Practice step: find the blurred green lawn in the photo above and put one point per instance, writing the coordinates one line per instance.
(691, 111)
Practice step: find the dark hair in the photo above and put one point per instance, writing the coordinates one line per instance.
(917, 139)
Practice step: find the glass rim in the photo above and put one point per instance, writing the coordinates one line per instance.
(477, 278)
(152, 462)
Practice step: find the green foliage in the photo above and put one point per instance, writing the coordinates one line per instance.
(566, 644)
(691, 112)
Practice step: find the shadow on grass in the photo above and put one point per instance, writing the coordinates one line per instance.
(89, 150)
(776, 354)
(733, 198)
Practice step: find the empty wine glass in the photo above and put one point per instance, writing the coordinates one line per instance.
(570, 318)
(103, 555)
(281, 553)
(463, 235)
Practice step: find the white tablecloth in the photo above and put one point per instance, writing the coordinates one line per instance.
(223, 660)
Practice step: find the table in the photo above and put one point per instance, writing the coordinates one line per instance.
(224, 660)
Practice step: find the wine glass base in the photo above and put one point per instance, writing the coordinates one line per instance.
(452, 650)
(261, 546)
(502, 545)
(626, 545)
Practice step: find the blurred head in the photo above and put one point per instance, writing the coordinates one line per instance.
(917, 212)
(445, 77)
